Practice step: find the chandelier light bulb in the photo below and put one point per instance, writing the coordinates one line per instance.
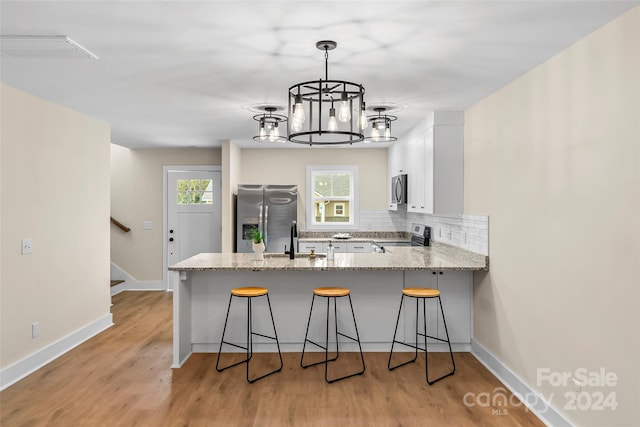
(274, 134)
(333, 123)
(344, 114)
(364, 122)
(375, 133)
(296, 126)
(263, 132)
(298, 110)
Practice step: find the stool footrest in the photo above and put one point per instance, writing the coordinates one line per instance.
(316, 344)
(433, 338)
(235, 345)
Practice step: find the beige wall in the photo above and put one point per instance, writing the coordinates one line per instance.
(136, 196)
(54, 190)
(231, 167)
(288, 166)
(554, 159)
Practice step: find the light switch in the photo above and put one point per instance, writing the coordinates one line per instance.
(147, 225)
(27, 246)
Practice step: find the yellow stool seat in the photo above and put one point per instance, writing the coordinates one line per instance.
(421, 292)
(249, 291)
(331, 292)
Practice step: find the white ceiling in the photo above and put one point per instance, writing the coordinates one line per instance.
(184, 73)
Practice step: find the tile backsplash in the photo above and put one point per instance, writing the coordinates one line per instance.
(470, 232)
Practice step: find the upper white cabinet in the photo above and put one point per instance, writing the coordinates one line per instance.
(432, 156)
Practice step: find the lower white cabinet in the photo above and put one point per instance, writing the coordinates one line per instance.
(306, 247)
(339, 246)
(321, 247)
(359, 247)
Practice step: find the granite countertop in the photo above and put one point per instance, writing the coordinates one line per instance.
(399, 258)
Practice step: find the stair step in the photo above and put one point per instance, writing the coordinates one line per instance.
(116, 282)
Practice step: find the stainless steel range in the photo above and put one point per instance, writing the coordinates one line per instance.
(420, 236)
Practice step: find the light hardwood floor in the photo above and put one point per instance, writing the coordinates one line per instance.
(123, 377)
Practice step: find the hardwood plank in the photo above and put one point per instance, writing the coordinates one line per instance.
(123, 377)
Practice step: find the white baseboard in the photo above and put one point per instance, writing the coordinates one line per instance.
(131, 284)
(17, 371)
(535, 402)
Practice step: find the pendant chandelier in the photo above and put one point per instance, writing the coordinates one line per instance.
(269, 125)
(313, 104)
(381, 126)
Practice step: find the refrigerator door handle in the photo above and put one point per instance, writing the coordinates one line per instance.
(260, 217)
(265, 225)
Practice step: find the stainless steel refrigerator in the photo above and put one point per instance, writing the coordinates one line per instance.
(271, 208)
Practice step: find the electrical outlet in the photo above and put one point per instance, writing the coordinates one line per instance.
(27, 246)
(35, 329)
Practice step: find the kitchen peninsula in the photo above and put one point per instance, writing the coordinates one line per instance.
(202, 284)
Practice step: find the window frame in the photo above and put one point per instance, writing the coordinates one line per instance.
(352, 201)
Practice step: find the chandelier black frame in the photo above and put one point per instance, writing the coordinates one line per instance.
(268, 128)
(312, 115)
(381, 126)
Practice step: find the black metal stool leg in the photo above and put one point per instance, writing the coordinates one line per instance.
(306, 339)
(222, 341)
(415, 357)
(453, 371)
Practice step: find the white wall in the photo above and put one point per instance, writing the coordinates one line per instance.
(288, 166)
(553, 159)
(54, 190)
(136, 196)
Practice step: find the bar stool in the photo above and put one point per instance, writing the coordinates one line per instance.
(331, 293)
(249, 293)
(422, 294)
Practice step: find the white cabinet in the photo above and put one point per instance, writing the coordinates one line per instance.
(432, 154)
(321, 247)
(359, 247)
(305, 247)
(339, 246)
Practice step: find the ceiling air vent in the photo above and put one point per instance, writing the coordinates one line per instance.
(42, 47)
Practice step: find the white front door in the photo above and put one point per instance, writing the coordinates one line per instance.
(193, 213)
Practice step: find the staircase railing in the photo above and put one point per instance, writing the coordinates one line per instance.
(120, 225)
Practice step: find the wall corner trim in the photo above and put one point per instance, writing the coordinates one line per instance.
(535, 402)
(19, 370)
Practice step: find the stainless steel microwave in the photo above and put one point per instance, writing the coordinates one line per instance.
(399, 189)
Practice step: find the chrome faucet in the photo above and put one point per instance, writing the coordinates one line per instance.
(294, 234)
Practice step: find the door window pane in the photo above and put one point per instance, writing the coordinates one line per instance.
(194, 191)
